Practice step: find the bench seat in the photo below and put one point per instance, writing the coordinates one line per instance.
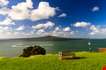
(66, 55)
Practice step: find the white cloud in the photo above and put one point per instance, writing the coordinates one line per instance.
(63, 15)
(41, 31)
(23, 5)
(4, 28)
(29, 3)
(18, 15)
(99, 31)
(44, 11)
(93, 31)
(49, 24)
(66, 29)
(20, 28)
(57, 29)
(94, 28)
(3, 3)
(21, 10)
(7, 21)
(96, 8)
(62, 32)
(25, 10)
(39, 26)
(82, 24)
(4, 11)
(5, 31)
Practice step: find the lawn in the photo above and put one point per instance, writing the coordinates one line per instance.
(91, 61)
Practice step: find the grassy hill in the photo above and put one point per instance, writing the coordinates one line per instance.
(92, 61)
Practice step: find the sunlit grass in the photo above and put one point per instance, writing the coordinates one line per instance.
(92, 61)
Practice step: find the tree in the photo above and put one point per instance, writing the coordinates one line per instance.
(33, 50)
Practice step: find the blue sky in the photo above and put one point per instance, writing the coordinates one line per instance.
(63, 18)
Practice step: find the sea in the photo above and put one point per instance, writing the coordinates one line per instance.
(14, 48)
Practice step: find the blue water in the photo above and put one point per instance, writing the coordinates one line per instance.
(10, 48)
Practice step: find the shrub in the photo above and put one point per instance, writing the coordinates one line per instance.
(33, 50)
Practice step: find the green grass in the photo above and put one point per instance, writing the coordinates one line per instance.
(92, 61)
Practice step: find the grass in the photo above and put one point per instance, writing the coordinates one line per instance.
(92, 61)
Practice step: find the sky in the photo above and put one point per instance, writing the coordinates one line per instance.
(62, 18)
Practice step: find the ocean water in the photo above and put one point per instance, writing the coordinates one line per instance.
(11, 48)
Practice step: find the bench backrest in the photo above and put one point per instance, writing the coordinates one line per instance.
(66, 53)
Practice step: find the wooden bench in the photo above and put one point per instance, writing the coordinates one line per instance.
(66, 55)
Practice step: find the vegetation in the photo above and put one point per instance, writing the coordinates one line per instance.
(33, 50)
(92, 61)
